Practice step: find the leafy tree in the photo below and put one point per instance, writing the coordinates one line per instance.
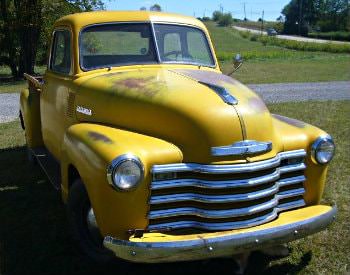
(143, 9)
(155, 7)
(217, 15)
(326, 15)
(226, 19)
(25, 27)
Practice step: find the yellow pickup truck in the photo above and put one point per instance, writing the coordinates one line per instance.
(158, 155)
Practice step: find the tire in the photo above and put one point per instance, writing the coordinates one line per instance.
(78, 208)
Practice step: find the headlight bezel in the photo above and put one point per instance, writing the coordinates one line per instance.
(112, 168)
(315, 146)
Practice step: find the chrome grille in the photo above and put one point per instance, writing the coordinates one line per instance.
(223, 197)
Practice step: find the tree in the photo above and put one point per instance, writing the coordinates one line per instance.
(26, 24)
(217, 15)
(155, 7)
(226, 20)
(326, 15)
(143, 9)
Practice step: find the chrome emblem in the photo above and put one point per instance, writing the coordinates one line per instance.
(242, 148)
(84, 111)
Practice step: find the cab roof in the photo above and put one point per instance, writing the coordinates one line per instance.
(80, 20)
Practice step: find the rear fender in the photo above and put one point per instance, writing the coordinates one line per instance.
(30, 111)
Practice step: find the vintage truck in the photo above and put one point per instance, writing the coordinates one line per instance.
(158, 155)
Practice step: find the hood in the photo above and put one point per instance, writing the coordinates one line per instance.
(188, 108)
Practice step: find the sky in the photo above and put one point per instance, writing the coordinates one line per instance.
(199, 8)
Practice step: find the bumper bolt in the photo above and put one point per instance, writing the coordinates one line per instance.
(256, 241)
(296, 232)
(133, 253)
(210, 248)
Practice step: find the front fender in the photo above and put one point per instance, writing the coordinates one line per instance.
(90, 148)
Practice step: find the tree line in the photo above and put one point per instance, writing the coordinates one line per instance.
(26, 27)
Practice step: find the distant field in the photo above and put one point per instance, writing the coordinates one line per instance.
(255, 25)
(271, 64)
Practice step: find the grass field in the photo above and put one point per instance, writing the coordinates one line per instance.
(35, 239)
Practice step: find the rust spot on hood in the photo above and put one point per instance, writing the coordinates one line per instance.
(290, 121)
(149, 86)
(100, 137)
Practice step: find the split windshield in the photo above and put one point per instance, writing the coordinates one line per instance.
(109, 45)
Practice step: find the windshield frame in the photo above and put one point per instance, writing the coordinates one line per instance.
(155, 45)
(207, 40)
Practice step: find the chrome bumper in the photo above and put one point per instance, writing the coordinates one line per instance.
(224, 244)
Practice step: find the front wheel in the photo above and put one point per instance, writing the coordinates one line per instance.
(84, 226)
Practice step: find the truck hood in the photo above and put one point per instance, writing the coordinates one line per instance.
(183, 106)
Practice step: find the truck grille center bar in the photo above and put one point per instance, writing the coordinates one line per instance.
(224, 197)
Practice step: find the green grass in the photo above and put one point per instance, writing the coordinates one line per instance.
(35, 238)
(291, 70)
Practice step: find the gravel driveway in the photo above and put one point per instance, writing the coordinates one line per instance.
(9, 107)
(292, 37)
(271, 93)
(294, 92)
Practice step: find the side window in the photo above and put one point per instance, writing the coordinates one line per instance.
(61, 52)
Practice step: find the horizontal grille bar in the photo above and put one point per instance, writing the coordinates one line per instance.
(165, 184)
(225, 198)
(230, 213)
(216, 226)
(229, 168)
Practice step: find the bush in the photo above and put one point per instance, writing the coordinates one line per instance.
(217, 15)
(339, 36)
(254, 37)
(225, 20)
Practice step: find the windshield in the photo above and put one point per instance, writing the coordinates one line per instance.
(109, 45)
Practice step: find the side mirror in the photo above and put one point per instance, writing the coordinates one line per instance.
(237, 63)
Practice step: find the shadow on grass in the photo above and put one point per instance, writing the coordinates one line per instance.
(35, 238)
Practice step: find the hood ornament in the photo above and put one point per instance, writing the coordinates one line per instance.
(242, 148)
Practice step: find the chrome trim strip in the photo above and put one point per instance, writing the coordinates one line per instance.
(242, 148)
(211, 226)
(226, 244)
(212, 184)
(290, 205)
(216, 226)
(182, 197)
(228, 168)
(212, 214)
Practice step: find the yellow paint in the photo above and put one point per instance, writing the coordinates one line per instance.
(156, 114)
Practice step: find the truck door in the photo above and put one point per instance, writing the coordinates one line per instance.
(55, 93)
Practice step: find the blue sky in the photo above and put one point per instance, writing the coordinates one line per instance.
(198, 8)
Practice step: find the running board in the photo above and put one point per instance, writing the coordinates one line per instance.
(49, 164)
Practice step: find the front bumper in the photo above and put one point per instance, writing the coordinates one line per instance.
(156, 247)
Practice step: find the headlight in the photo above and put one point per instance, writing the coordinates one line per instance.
(322, 150)
(125, 172)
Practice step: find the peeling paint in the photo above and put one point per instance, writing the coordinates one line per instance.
(290, 121)
(99, 137)
(149, 86)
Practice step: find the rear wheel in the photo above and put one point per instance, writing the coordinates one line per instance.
(84, 225)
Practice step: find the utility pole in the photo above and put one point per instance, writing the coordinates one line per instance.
(300, 16)
(221, 8)
(245, 14)
(262, 22)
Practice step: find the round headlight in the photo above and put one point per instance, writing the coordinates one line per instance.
(322, 150)
(125, 172)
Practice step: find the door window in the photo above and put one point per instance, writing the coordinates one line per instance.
(61, 52)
